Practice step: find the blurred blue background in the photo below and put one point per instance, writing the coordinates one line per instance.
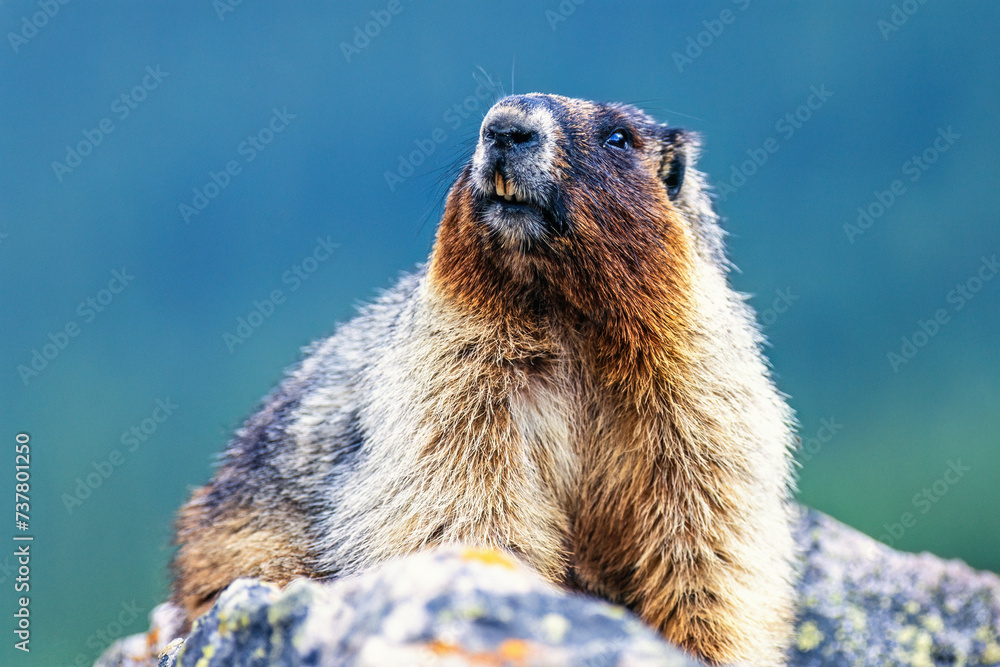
(809, 111)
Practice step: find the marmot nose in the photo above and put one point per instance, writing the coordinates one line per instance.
(507, 136)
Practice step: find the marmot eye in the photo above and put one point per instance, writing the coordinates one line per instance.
(618, 139)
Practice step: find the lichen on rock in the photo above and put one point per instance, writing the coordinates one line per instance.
(453, 606)
(862, 603)
(859, 603)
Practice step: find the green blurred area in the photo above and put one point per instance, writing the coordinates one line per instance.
(834, 302)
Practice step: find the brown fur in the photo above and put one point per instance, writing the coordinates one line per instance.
(243, 543)
(641, 511)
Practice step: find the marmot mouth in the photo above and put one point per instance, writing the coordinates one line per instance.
(504, 203)
(529, 216)
(509, 197)
(510, 204)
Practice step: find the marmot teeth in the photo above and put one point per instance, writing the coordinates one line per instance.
(508, 190)
(501, 185)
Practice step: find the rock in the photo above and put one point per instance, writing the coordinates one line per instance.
(165, 623)
(449, 607)
(860, 603)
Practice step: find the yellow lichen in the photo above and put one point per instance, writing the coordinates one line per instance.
(922, 651)
(612, 611)
(809, 637)
(231, 619)
(223, 620)
(933, 623)
(907, 634)
(857, 618)
(991, 654)
(471, 612)
(206, 655)
(984, 633)
(555, 627)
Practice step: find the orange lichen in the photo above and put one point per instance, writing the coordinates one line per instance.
(490, 557)
(515, 649)
(510, 652)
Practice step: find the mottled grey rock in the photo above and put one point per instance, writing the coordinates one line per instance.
(141, 650)
(448, 607)
(860, 603)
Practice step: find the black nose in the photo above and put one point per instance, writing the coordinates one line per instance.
(507, 136)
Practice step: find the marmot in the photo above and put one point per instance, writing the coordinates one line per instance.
(569, 378)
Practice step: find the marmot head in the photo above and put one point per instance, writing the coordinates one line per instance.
(542, 161)
(570, 204)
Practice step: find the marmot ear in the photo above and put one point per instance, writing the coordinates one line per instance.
(678, 147)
